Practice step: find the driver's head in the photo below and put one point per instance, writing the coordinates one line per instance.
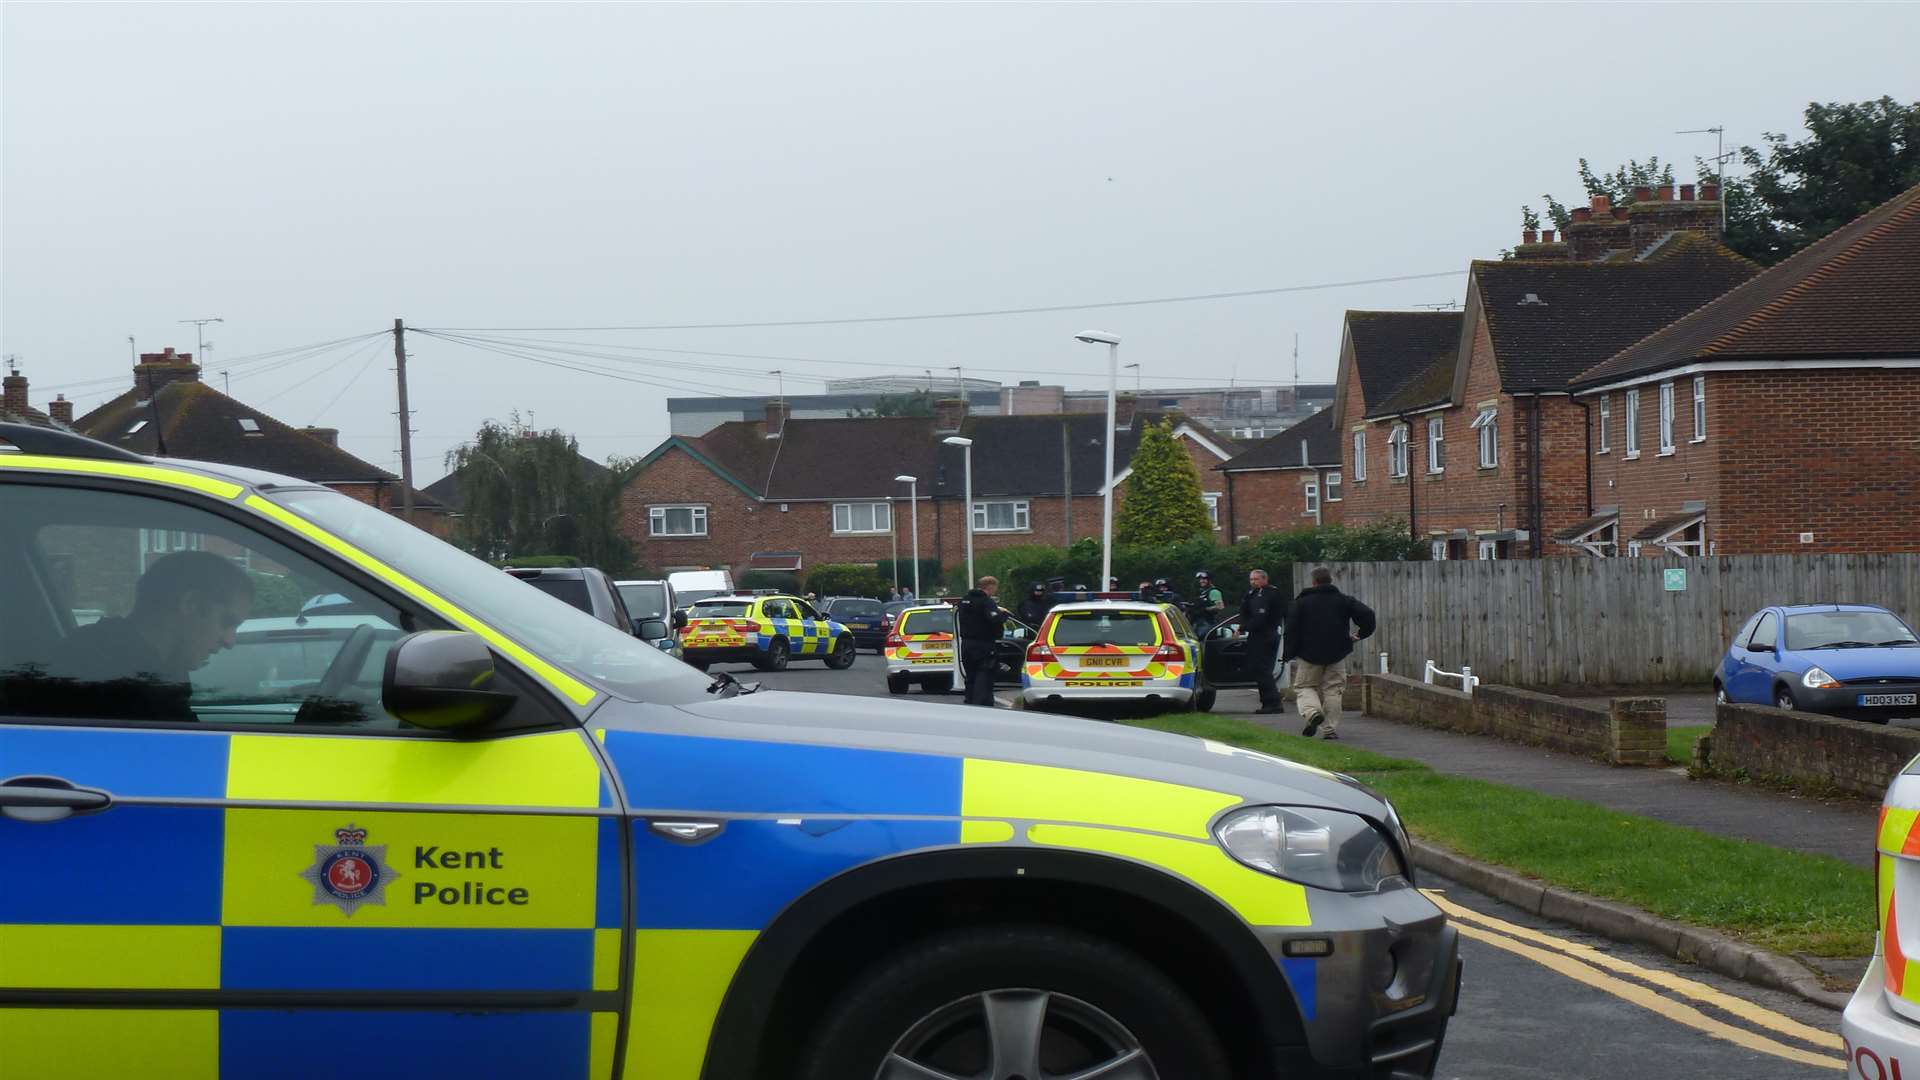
(199, 599)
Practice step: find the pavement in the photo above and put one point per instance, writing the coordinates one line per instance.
(1541, 999)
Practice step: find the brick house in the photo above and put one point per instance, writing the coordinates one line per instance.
(1484, 451)
(1776, 419)
(790, 494)
(1394, 366)
(1287, 481)
(169, 412)
(14, 408)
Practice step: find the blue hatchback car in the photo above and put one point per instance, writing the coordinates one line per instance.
(1852, 660)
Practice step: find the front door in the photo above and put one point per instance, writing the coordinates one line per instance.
(220, 856)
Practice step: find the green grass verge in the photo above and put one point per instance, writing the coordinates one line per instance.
(1782, 900)
(1680, 742)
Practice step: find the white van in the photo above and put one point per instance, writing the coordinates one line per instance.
(693, 586)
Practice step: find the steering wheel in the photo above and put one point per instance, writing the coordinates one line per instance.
(351, 658)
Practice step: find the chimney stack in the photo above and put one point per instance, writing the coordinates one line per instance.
(1124, 406)
(13, 392)
(1656, 213)
(949, 414)
(328, 435)
(1596, 230)
(778, 413)
(61, 409)
(156, 370)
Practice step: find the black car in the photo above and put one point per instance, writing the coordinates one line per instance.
(584, 587)
(867, 619)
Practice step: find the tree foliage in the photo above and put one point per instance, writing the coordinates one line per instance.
(1854, 157)
(1617, 185)
(1163, 502)
(847, 579)
(917, 403)
(526, 492)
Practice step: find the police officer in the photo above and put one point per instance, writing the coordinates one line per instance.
(1262, 613)
(1035, 607)
(1163, 593)
(1208, 604)
(981, 620)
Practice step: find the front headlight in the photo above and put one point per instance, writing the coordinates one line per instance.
(1815, 679)
(1328, 849)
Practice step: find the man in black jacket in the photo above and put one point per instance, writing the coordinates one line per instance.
(1035, 607)
(981, 620)
(1260, 619)
(1322, 625)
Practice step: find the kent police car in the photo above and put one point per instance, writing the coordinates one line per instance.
(497, 838)
(766, 631)
(920, 650)
(1114, 650)
(1881, 1024)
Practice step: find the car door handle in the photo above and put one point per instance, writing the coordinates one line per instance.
(685, 832)
(48, 798)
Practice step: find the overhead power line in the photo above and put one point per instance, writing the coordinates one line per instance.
(1196, 297)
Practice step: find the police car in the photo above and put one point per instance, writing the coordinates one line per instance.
(1113, 650)
(767, 631)
(496, 837)
(921, 650)
(1881, 1024)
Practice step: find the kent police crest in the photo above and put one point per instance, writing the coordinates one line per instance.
(349, 872)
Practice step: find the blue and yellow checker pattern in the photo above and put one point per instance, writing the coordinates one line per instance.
(192, 882)
(804, 637)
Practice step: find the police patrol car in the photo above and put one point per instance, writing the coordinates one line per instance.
(766, 631)
(1114, 650)
(921, 649)
(1881, 1024)
(495, 837)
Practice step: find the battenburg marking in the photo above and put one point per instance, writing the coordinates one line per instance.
(349, 872)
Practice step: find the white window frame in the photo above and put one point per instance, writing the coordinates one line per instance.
(1606, 424)
(696, 518)
(1021, 513)
(880, 514)
(1699, 408)
(1633, 424)
(1397, 451)
(1212, 499)
(1312, 490)
(1488, 425)
(1436, 444)
(1666, 419)
(1489, 551)
(1359, 457)
(1333, 492)
(1437, 551)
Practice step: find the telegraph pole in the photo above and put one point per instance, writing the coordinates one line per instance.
(406, 420)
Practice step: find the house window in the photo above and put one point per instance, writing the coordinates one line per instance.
(1436, 445)
(1009, 516)
(1633, 423)
(1212, 499)
(249, 425)
(1606, 423)
(1489, 550)
(862, 517)
(677, 520)
(1438, 551)
(1666, 418)
(1397, 451)
(137, 425)
(1313, 497)
(1333, 487)
(1699, 408)
(1488, 425)
(1359, 456)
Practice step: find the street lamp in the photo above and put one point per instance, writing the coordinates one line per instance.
(913, 509)
(966, 445)
(1112, 342)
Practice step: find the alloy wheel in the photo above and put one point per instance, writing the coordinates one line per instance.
(1017, 1034)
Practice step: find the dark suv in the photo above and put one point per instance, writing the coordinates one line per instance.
(865, 617)
(584, 587)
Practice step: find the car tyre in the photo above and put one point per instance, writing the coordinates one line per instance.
(937, 684)
(1719, 693)
(844, 653)
(1783, 698)
(1093, 1002)
(1203, 701)
(776, 657)
(898, 684)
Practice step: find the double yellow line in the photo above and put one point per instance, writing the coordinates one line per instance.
(1590, 966)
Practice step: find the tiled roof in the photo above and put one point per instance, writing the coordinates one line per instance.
(1390, 348)
(1033, 455)
(30, 415)
(1661, 528)
(1282, 451)
(1586, 528)
(1854, 293)
(1433, 386)
(1551, 321)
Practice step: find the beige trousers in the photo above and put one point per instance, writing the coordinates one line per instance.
(1317, 689)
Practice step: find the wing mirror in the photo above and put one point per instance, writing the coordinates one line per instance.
(650, 629)
(680, 620)
(1759, 648)
(442, 680)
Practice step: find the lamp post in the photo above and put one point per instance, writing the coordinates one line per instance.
(893, 545)
(913, 510)
(1112, 342)
(966, 495)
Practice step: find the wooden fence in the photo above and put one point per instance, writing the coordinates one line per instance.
(1598, 622)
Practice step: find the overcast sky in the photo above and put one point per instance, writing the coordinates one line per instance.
(311, 172)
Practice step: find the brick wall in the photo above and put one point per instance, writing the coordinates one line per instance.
(1631, 731)
(1649, 485)
(736, 524)
(1378, 497)
(1275, 500)
(1807, 748)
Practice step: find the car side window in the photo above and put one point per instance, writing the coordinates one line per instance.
(130, 608)
(805, 609)
(1746, 632)
(1766, 633)
(774, 609)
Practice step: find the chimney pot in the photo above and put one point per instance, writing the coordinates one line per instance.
(1643, 193)
(1529, 236)
(1686, 192)
(1620, 213)
(1709, 192)
(1582, 213)
(778, 413)
(1546, 236)
(949, 414)
(61, 409)
(1601, 204)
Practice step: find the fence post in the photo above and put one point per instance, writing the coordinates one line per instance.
(1466, 679)
(1383, 663)
(1427, 675)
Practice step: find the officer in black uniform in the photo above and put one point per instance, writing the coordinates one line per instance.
(1035, 607)
(981, 621)
(1262, 614)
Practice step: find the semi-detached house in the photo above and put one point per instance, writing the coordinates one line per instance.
(791, 494)
(1287, 481)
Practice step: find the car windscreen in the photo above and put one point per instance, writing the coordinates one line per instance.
(928, 621)
(1846, 630)
(1105, 628)
(609, 658)
(694, 596)
(856, 609)
(645, 601)
(572, 590)
(722, 609)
